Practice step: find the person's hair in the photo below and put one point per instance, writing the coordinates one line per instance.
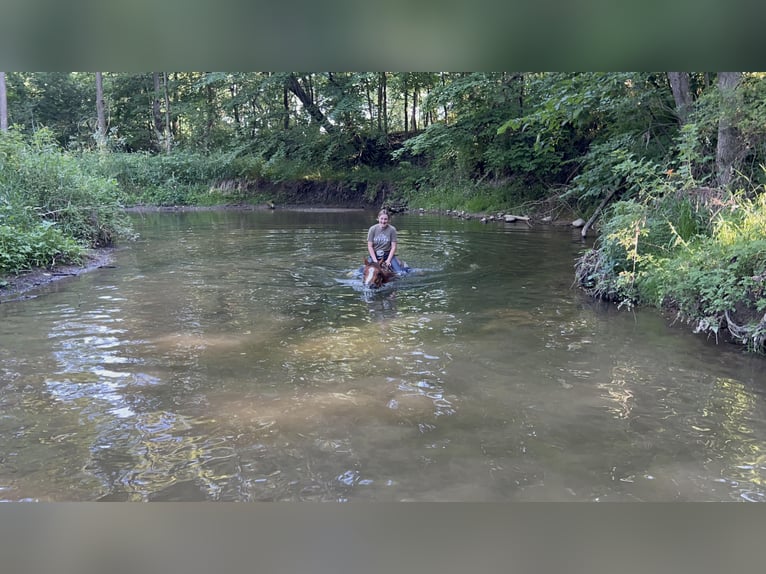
(383, 212)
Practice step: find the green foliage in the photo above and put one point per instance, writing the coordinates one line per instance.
(695, 154)
(742, 220)
(42, 245)
(61, 102)
(36, 174)
(49, 206)
(468, 147)
(704, 257)
(612, 166)
(179, 178)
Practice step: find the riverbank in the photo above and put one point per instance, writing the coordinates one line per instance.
(22, 286)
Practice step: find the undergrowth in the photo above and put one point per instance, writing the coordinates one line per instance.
(50, 208)
(700, 254)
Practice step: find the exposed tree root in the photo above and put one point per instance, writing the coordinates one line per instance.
(753, 335)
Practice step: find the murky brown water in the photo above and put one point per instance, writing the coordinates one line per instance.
(231, 356)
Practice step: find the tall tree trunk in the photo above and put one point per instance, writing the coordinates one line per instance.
(175, 120)
(414, 110)
(383, 103)
(233, 92)
(679, 84)
(406, 105)
(380, 103)
(444, 106)
(370, 111)
(286, 108)
(156, 113)
(100, 111)
(3, 104)
(729, 148)
(210, 119)
(168, 131)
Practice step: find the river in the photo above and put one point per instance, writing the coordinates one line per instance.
(234, 356)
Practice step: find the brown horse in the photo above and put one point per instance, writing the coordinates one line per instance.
(376, 274)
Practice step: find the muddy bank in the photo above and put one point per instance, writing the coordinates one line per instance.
(22, 286)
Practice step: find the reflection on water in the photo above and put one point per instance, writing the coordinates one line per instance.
(236, 356)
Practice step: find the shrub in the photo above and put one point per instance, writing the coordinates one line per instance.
(41, 246)
(40, 182)
(705, 259)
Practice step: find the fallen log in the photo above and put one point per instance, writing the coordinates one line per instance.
(593, 217)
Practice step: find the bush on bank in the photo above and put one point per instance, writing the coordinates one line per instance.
(51, 209)
(701, 253)
(179, 178)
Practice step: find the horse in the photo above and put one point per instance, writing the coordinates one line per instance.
(376, 274)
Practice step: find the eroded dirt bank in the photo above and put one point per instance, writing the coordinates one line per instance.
(22, 286)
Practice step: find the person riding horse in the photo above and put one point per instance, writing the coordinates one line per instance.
(382, 243)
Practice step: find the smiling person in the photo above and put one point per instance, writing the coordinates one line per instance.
(382, 243)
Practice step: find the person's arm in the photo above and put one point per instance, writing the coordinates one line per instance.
(371, 251)
(391, 253)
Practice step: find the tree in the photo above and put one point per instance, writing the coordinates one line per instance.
(382, 103)
(729, 148)
(3, 104)
(59, 101)
(168, 132)
(156, 113)
(305, 95)
(679, 84)
(101, 131)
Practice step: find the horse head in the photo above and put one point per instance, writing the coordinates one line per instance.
(376, 274)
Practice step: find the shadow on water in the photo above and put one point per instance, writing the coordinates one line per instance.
(235, 356)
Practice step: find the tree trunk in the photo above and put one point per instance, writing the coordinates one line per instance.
(428, 115)
(100, 111)
(679, 84)
(168, 131)
(316, 114)
(234, 91)
(175, 121)
(156, 114)
(406, 105)
(729, 148)
(593, 217)
(384, 107)
(210, 115)
(370, 111)
(380, 102)
(414, 110)
(286, 108)
(3, 104)
(444, 106)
